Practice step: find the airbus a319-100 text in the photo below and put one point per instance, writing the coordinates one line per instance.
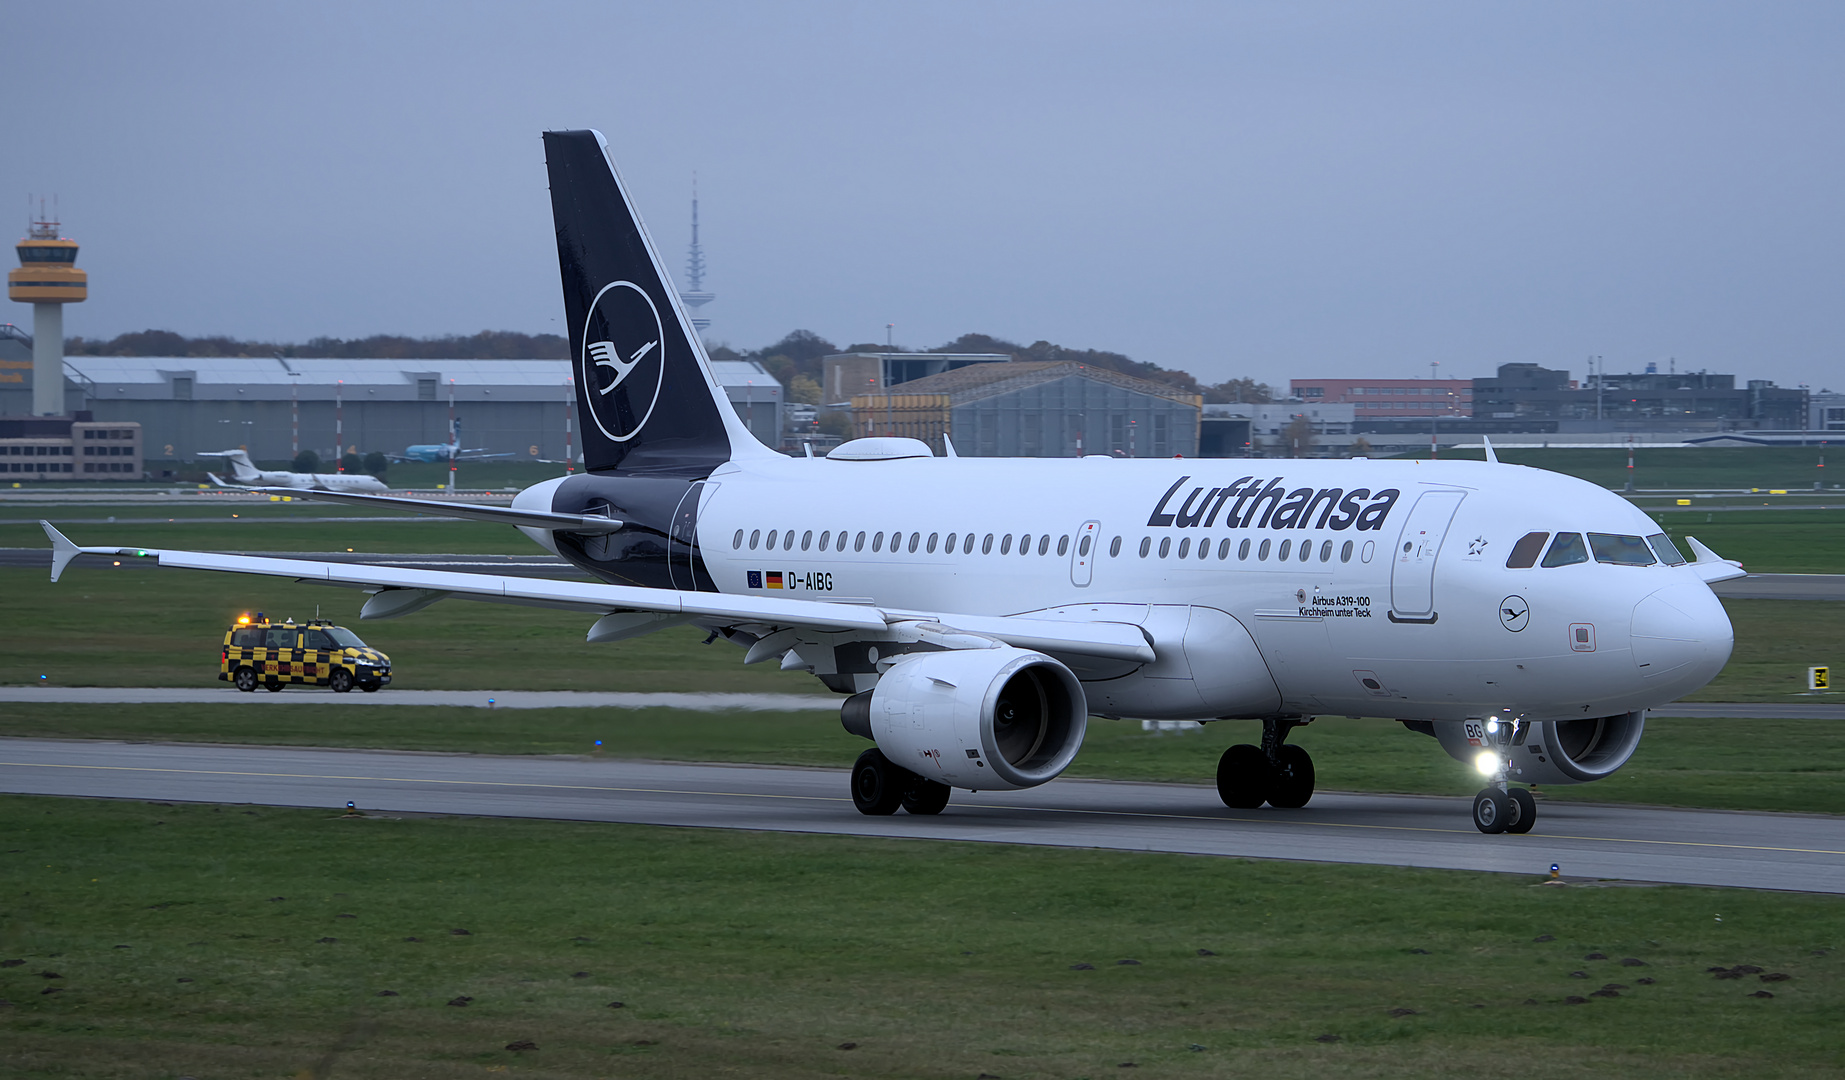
(975, 613)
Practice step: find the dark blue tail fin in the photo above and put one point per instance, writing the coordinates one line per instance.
(645, 395)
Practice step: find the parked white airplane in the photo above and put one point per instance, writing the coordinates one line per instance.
(246, 474)
(978, 611)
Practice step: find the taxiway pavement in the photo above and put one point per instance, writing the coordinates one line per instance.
(1694, 847)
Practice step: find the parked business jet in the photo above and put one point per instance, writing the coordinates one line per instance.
(245, 474)
(976, 612)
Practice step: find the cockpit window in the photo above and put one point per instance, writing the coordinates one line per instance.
(1620, 550)
(1525, 552)
(1566, 549)
(1666, 550)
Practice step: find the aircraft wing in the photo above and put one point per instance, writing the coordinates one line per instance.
(401, 591)
(503, 515)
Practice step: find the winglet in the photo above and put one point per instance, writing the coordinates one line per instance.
(948, 446)
(1711, 566)
(1487, 445)
(63, 550)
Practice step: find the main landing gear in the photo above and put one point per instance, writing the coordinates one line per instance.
(1276, 772)
(880, 787)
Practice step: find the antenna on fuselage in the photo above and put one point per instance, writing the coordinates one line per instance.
(1487, 445)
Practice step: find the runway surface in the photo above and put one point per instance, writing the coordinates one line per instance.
(581, 699)
(1696, 847)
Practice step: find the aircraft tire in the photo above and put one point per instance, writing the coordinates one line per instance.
(1492, 811)
(877, 785)
(1527, 811)
(922, 796)
(1291, 784)
(340, 681)
(1243, 777)
(244, 679)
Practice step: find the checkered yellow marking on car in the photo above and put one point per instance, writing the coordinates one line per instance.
(280, 665)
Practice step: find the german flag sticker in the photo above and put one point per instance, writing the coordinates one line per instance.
(775, 579)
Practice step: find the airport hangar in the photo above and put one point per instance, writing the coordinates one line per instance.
(277, 406)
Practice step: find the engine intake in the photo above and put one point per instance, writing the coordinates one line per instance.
(994, 719)
(1557, 751)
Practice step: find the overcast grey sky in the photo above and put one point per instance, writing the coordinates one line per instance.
(1266, 189)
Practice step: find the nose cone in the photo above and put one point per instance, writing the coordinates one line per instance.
(1681, 636)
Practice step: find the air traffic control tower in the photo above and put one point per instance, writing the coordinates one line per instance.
(47, 279)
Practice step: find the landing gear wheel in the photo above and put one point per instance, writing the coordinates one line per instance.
(1492, 811)
(1526, 808)
(922, 796)
(1243, 777)
(1290, 784)
(877, 785)
(274, 687)
(340, 680)
(244, 679)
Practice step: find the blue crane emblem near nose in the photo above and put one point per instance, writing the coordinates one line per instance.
(1514, 613)
(606, 356)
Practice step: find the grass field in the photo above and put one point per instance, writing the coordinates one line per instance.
(150, 627)
(204, 941)
(92, 629)
(1684, 468)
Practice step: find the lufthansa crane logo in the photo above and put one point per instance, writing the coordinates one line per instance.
(622, 361)
(1514, 613)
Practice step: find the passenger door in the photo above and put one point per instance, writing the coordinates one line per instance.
(1083, 553)
(1412, 570)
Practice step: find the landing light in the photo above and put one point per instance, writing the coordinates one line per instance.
(1492, 725)
(1487, 763)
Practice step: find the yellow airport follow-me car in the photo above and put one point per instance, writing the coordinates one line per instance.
(272, 655)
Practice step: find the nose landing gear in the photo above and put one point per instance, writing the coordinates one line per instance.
(1276, 772)
(1499, 807)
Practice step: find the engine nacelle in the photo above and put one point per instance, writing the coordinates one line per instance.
(1554, 751)
(986, 719)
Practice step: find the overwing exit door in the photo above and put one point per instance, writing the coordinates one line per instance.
(1412, 571)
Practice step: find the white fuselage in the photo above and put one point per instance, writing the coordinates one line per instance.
(1411, 613)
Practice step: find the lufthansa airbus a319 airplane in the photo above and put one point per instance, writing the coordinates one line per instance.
(976, 612)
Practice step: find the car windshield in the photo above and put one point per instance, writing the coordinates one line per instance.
(345, 638)
(1620, 550)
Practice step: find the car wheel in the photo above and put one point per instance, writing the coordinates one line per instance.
(341, 681)
(274, 687)
(371, 687)
(244, 679)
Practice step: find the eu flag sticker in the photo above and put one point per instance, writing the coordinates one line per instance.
(775, 579)
(755, 577)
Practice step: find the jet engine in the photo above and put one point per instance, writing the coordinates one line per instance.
(1553, 751)
(986, 719)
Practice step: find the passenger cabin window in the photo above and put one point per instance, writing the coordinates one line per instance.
(1146, 545)
(755, 535)
(1223, 549)
(986, 546)
(1620, 550)
(318, 639)
(1242, 551)
(737, 540)
(1261, 551)
(1083, 548)
(877, 542)
(1044, 544)
(1005, 544)
(1345, 552)
(1185, 548)
(824, 537)
(1165, 546)
(1666, 550)
(1063, 545)
(1282, 555)
(1566, 549)
(770, 546)
(1114, 547)
(1525, 552)
(806, 539)
(933, 537)
(275, 638)
(949, 547)
(915, 538)
(967, 544)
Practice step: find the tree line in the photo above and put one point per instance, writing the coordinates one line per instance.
(794, 360)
